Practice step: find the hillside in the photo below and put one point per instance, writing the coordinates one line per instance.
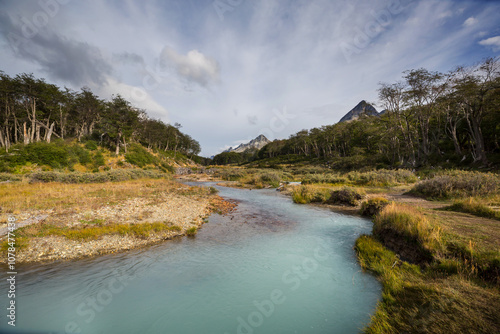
(34, 111)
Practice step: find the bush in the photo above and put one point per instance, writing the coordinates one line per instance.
(139, 156)
(91, 145)
(9, 177)
(324, 178)
(373, 206)
(230, 174)
(98, 160)
(306, 194)
(109, 176)
(272, 178)
(346, 196)
(458, 184)
(383, 177)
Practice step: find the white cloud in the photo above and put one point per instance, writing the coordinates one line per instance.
(194, 67)
(470, 21)
(138, 97)
(492, 41)
(445, 14)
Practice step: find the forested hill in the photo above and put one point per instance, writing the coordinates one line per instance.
(447, 119)
(32, 110)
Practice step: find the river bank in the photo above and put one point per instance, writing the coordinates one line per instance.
(439, 267)
(78, 221)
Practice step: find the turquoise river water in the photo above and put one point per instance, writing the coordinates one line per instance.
(271, 266)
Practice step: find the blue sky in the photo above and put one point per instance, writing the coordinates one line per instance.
(228, 70)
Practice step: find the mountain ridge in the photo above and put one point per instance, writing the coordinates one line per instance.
(362, 108)
(257, 143)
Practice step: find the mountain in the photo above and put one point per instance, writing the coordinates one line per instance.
(363, 108)
(256, 143)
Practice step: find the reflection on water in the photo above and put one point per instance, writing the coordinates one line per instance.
(269, 267)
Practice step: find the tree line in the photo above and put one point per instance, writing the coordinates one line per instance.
(32, 110)
(430, 118)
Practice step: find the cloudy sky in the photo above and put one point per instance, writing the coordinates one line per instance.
(228, 70)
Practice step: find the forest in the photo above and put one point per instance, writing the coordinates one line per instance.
(32, 110)
(431, 118)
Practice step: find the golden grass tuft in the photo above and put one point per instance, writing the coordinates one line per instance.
(409, 222)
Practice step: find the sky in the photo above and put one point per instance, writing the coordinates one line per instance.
(229, 70)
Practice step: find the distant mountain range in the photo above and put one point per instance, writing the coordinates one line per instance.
(363, 108)
(254, 144)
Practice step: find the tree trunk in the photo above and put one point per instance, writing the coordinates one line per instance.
(33, 120)
(49, 132)
(479, 142)
(26, 135)
(2, 141)
(37, 130)
(118, 141)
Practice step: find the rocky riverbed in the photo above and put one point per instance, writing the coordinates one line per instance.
(184, 212)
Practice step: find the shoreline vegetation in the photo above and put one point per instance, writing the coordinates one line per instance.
(435, 244)
(85, 220)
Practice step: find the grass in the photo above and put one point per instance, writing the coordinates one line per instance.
(191, 232)
(373, 206)
(408, 228)
(22, 196)
(474, 206)
(310, 194)
(439, 299)
(92, 232)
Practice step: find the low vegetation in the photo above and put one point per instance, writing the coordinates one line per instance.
(116, 175)
(408, 228)
(94, 231)
(18, 197)
(438, 299)
(191, 232)
(345, 196)
(452, 285)
(373, 206)
(457, 184)
(476, 207)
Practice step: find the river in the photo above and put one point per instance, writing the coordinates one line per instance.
(271, 266)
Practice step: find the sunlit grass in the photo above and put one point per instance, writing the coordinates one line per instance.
(17, 197)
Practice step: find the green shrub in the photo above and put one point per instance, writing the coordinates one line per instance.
(98, 160)
(373, 206)
(456, 184)
(91, 145)
(139, 156)
(115, 175)
(79, 154)
(306, 194)
(382, 177)
(230, 174)
(345, 196)
(9, 177)
(324, 178)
